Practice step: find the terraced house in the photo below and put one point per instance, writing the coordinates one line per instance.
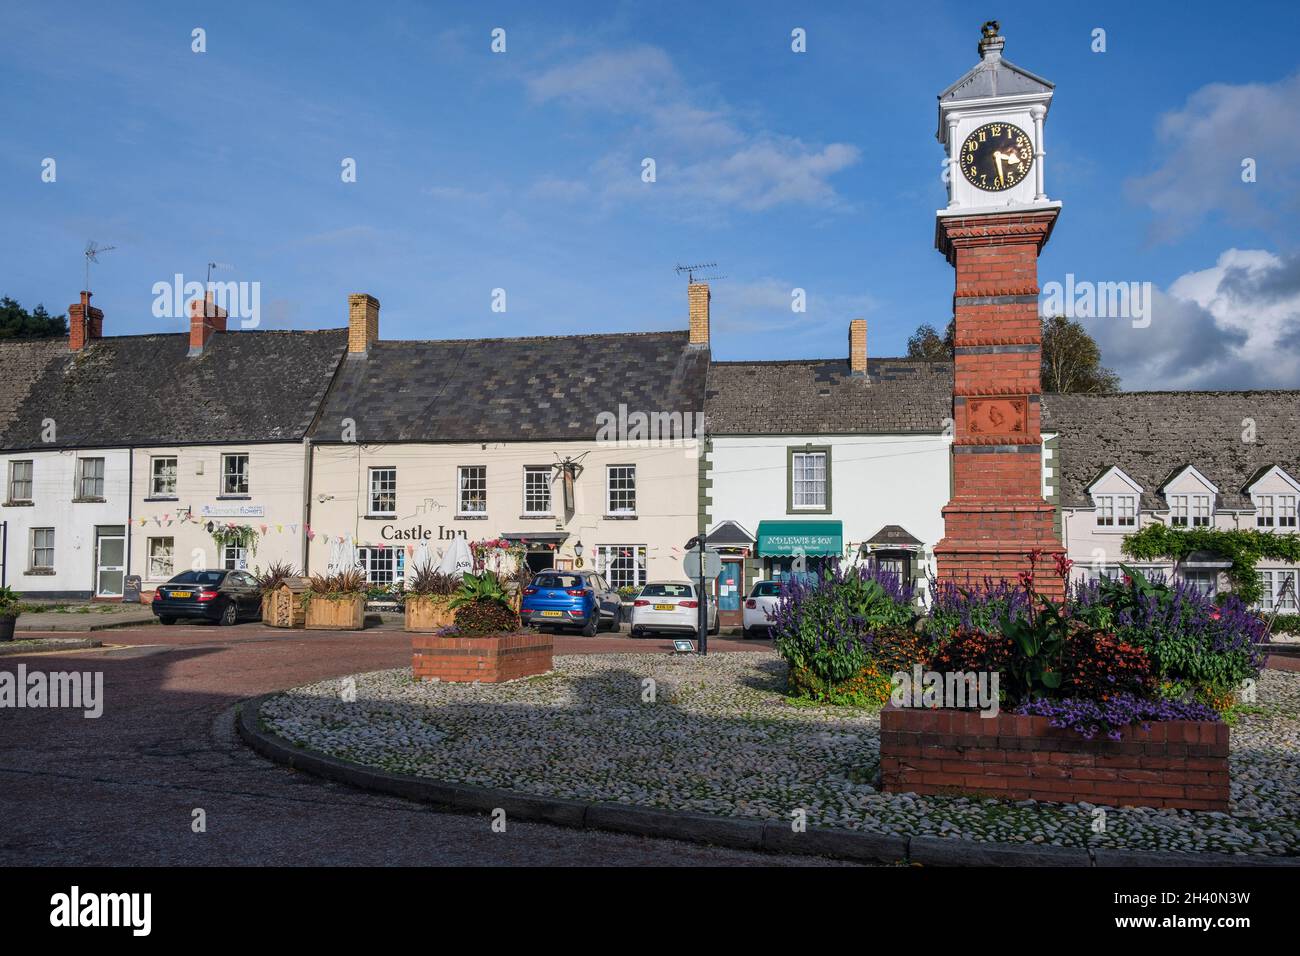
(419, 442)
(132, 455)
(1227, 460)
(819, 458)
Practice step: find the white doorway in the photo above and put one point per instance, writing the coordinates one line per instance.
(110, 563)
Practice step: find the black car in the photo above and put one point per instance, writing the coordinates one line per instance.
(222, 596)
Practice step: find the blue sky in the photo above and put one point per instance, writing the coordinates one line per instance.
(521, 170)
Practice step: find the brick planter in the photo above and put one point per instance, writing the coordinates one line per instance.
(489, 660)
(1176, 763)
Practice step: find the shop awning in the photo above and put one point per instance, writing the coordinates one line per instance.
(784, 538)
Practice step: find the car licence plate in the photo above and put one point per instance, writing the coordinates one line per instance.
(552, 614)
(665, 607)
(179, 594)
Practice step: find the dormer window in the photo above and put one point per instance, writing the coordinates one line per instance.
(1190, 511)
(1116, 511)
(1276, 496)
(1115, 499)
(1275, 511)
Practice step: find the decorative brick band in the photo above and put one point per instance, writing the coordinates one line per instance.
(1180, 763)
(997, 295)
(488, 660)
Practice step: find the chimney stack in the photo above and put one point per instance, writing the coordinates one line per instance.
(85, 323)
(363, 322)
(206, 318)
(858, 346)
(697, 294)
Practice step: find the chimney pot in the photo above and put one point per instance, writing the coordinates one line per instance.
(858, 346)
(363, 322)
(698, 295)
(85, 323)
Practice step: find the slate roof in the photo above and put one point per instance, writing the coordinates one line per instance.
(21, 364)
(550, 388)
(248, 386)
(821, 397)
(1152, 435)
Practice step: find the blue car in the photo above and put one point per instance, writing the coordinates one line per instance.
(571, 599)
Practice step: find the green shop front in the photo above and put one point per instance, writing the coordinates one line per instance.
(787, 548)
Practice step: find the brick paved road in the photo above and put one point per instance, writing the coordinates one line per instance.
(121, 789)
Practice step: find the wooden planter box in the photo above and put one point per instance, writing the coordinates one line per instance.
(1177, 763)
(488, 660)
(425, 612)
(283, 606)
(343, 613)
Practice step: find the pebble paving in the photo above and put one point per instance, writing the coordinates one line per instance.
(717, 735)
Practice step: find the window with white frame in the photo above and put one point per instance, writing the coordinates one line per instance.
(623, 565)
(234, 558)
(42, 556)
(620, 486)
(383, 491)
(383, 566)
(537, 490)
(1275, 511)
(1116, 511)
(90, 478)
(162, 476)
(161, 562)
(1189, 511)
(1202, 580)
(234, 474)
(20, 481)
(1277, 589)
(471, 480)
(808, 484)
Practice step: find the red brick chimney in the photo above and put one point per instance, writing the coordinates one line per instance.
(85, 322)
(206, 318)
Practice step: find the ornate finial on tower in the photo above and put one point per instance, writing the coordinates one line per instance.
(990, 43)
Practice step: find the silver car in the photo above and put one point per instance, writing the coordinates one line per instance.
(760, 608)
(671, 607)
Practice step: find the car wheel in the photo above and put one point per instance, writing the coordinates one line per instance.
(616, 625)
(717, 626)
(229, 615)
(746, 633)
(166, 620)
(636, 632)
(592, 626)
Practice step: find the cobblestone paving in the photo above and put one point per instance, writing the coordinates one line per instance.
(719, 737)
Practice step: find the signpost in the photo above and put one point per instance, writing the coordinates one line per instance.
(702, 566)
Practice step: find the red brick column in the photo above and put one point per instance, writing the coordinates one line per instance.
(997, 514)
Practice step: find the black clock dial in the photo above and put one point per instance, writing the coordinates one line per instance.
(996, 156)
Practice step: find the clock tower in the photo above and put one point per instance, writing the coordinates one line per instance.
(996, 222)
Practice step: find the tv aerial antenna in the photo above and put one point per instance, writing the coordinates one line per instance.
(93, 249)
(215, 265)
(689, 271)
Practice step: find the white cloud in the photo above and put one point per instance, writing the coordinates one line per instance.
(1204, 144)
(1233, 325)
(704, 154)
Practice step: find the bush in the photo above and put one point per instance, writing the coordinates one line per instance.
(351, 582)
(275, 575)
(485, 616)
(10, 602)
(428, 580)
(1097, 666)
(827, 631)
(1286, 624)
(968, 650)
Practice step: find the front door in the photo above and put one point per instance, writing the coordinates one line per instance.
(110, 565)
(728, 594)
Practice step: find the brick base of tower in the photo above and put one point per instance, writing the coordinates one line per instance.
(997, 516)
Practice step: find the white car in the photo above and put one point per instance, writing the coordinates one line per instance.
(671, 607)
(760, 608)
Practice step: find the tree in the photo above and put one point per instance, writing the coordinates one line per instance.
(17, 323)
(1071, 357)
(927, 344)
